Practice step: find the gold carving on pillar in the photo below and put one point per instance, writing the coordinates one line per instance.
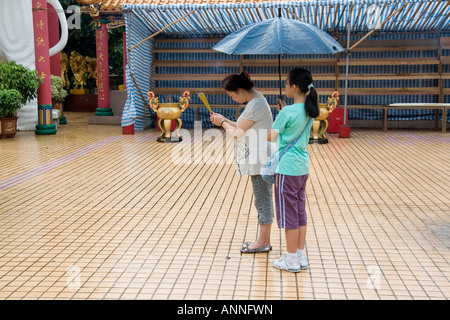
(94, 11)
(93, 7)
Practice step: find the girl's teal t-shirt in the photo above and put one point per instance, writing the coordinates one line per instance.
(289, 123)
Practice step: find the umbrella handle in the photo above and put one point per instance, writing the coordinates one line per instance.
(279, 75)
(281, 103)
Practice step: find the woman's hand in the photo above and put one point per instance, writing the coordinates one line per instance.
(217, 119)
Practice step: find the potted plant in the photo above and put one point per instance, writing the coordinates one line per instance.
(10, 102)
(58, 96)
(21, 80)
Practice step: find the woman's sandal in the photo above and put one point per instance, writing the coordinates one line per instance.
(245, 248)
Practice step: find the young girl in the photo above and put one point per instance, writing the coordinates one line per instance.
(293, 168)
(252, 150)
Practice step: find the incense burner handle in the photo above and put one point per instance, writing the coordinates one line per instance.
(153, 100)
(184, 100)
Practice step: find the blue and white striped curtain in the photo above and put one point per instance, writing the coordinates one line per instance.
(224, 18)
(216, 20)
(139, 62)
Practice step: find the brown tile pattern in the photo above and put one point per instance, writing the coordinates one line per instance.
(109, 216)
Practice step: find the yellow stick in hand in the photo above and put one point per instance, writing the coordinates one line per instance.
(202, 97)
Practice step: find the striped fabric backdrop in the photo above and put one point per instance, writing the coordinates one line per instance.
(403, 114)
(418, 20)
(329, 15)
(139, 62)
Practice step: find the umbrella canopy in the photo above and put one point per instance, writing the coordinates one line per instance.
(279, 36)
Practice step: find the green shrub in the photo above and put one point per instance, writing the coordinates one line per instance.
(58, 92)
(16, 76)
(10, 102)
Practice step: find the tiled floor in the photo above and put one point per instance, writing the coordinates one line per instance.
(90, 213)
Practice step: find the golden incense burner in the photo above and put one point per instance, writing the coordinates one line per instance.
(167, 112)
(321, 121)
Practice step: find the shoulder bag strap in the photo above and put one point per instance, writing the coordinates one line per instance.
(295, 140)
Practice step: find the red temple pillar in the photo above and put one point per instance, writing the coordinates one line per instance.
(54, 34)
(42, 45)
(55, 60)
(101, 35)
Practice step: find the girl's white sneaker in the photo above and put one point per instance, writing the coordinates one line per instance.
(284, 264)
(303, 262)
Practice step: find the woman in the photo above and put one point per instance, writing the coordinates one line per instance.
(293, 169)
(252, 150)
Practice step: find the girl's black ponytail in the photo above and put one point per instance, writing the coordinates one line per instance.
(311, 103)
(303, 79)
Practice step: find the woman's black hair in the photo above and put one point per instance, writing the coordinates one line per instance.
(233, 82)
(303, 79)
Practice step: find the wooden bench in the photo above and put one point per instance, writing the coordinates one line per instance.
(421, 106)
